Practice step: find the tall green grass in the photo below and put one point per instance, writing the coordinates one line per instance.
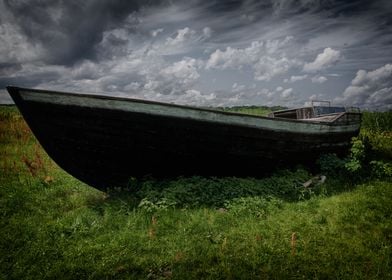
(251, 110)
(377, 132)
(377, 121)
(54, 226)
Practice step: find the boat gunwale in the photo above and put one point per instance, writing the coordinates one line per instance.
(15, 89)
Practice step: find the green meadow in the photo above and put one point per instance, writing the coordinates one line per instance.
(54, 226)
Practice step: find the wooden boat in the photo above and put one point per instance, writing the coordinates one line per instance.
(104, 141)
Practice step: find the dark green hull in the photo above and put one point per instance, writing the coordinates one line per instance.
(104, 141)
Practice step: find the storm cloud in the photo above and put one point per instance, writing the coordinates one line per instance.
(67, 30)
(207, 53)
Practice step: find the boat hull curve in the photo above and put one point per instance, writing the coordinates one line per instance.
(105, 141)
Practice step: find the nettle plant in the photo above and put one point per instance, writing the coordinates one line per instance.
(381, 169)
(361, 162)
(354, 163)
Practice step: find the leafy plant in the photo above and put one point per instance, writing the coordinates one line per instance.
(331, 165)
(253, 206)
(357, 156)
(152, 207)
(214, 192)
(381, 169)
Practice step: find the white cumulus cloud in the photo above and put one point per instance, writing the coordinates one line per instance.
(371, 89)
(295, 78)
(185, 69)
(287, 93)
(155, 32)
(207, 32)
(319, 79)
(266, 58)
(181, 36)
(323, 60)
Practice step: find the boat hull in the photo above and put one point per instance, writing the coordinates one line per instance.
(105, 141)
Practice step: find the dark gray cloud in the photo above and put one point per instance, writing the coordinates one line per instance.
(227, 52)
(6, 68)
(69, 30)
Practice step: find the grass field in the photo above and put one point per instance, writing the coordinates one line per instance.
(54, 226)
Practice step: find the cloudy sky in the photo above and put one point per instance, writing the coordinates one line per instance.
(206, 53)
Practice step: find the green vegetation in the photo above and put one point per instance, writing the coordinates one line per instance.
(54, 226)
(251, 110)
(371, 151)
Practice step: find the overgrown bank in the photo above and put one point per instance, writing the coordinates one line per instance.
(53, 226)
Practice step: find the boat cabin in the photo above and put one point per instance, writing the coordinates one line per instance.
(321, 114)
(307, 112)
